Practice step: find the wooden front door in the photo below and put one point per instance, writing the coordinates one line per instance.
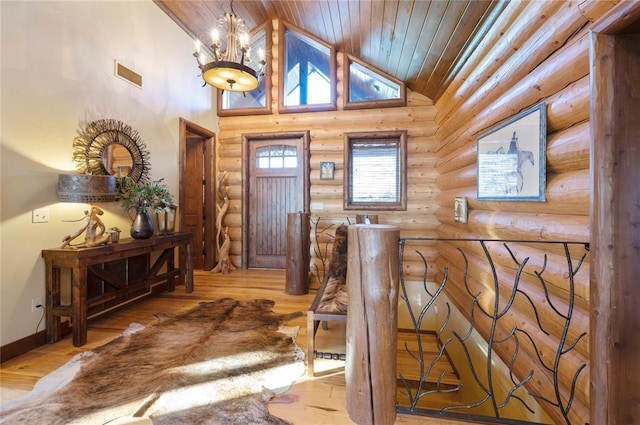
(277, 185)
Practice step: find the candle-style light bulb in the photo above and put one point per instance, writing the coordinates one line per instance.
(244, 40)
(214, 37)
(261, 55)
(198, 46)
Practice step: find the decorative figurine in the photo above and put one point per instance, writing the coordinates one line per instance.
(95, 231)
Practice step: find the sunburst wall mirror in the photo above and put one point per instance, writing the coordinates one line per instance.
(111, 147)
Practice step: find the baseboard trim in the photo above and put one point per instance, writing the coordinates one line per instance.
(21, 346)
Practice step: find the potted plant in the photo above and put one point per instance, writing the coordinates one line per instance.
(114, 234)
(143, 198)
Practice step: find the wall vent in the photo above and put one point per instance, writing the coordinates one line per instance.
(127, 74)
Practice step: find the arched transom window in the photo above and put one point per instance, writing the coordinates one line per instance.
(277, 156)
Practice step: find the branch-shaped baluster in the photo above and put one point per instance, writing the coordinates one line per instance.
(500, 309)
(417, 324)
(564, 407)
(531, 303)
(517, 385)
(320, 254)
(497, 315)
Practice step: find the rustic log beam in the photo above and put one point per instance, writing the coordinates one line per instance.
(568, 106)
(311, 119)
(370, 370)
(594, 9)
(511, 13)
(297, 264)
(568, 150)
(506, 38)
(567, 65)
(567, 194)
(523, 226)
(459, 178)
(462, 231)
(555, 31)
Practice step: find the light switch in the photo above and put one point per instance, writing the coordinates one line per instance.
(40, 215)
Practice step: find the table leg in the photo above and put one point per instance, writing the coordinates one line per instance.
(79, 305)
(171, 283)
(52, 287)
(188, 267)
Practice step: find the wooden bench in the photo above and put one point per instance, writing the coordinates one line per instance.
(317, 313)
(314, 317)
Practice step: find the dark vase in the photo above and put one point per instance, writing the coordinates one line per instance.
(142, 226)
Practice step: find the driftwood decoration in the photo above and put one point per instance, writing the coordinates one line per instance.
(223, 240)
(94, 231)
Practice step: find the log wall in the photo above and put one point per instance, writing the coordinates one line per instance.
(536, 52)
(327, 144)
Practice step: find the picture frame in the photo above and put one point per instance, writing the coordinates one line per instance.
(512, 159)
(327, 170)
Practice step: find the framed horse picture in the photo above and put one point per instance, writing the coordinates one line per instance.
(512, 159)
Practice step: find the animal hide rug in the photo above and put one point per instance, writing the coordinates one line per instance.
(218, 363)
(335, 298)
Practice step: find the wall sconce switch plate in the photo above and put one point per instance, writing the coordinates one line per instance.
(460, 210)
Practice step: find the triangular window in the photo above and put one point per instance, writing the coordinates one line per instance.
(309, 72)
(368, 88)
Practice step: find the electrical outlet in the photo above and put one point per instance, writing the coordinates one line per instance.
(40, 215)
(35, 302)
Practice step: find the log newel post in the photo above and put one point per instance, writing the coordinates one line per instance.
(298, 255)
(372, 323)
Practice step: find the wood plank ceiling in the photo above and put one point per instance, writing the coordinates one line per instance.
(421, 42)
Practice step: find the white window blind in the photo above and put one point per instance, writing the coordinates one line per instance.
(375, 171)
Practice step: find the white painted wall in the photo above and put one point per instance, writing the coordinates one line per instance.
(57, 73)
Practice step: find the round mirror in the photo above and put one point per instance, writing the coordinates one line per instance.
(111, 147)
(117, 160)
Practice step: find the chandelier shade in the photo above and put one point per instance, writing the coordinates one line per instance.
(231, 76)
(229, 69)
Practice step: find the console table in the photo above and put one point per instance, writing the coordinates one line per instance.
(110, 275)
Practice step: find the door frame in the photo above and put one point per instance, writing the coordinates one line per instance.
(209, 186)
(261, 137)
(614, 317)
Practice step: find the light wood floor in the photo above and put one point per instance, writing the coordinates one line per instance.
(317, 401)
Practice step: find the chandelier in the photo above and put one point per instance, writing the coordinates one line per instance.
(228, 69)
